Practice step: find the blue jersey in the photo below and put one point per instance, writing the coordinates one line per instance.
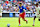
(21, 9)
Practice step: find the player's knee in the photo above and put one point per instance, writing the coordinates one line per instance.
(34, 16)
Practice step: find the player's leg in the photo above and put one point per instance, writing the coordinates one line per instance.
(23, 17)
(34, 20)
(39, 17)
(19, 19)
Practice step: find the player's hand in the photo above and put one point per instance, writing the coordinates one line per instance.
(24, 10)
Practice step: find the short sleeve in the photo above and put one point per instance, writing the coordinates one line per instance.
(25, 8)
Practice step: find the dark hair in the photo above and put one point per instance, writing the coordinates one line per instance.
(39, 2)
(20, 3)
(36, 4)
(16, 5)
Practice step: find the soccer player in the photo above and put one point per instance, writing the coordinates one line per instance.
(37, 13)
(22, 12)
(1, 10)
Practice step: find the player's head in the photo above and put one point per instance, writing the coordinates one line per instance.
(39, 3)
(36, 4)
(20, 4)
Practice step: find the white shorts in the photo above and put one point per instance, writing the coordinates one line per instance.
(37, 15)
(0, 14)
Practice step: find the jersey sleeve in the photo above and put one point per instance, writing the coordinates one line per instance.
(25, 8)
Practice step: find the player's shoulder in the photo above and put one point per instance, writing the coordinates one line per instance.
(22, 6)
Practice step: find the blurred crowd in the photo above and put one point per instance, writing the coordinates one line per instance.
(12, 6)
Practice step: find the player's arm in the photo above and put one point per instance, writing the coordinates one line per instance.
(35, 9)
(24, 9)
(39, 10)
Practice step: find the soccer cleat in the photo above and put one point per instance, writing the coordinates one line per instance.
(26, 22)
(33, 24)
(8, 25)
(19, 25)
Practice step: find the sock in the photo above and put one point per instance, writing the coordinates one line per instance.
(24, 19)
(33, 21)
(19, 20)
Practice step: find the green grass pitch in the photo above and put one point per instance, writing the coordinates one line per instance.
(13, 21)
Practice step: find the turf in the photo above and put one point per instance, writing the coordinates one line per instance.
(13, 21)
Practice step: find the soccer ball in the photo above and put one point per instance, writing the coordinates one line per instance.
(8, 25)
